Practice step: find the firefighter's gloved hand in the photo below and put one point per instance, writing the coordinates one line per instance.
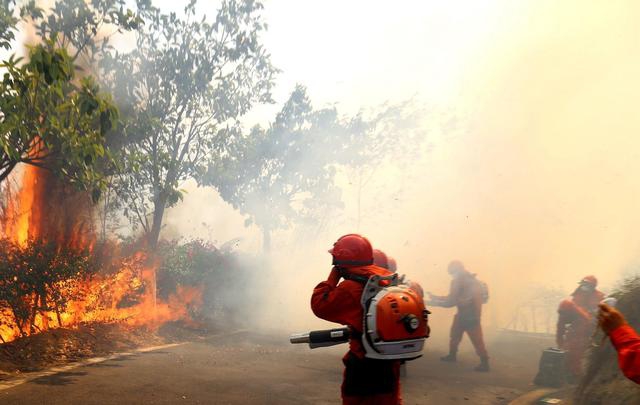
(610, 318)
(334, 277)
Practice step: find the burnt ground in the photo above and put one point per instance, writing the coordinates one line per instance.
(247, 368)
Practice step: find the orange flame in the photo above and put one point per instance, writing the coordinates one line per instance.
(127, 296)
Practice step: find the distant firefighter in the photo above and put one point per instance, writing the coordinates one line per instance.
(468, 294)
(624, 339)
(576, 322)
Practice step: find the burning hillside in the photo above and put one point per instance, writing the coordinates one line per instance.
(54, 273)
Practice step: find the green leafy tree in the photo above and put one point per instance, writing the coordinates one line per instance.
(286, 174)
(50, 121)
(8, 23)
(184, 86)
(49, 115)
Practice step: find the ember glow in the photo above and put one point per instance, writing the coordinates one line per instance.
(123, 287)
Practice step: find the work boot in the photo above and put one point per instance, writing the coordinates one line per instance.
(449, 358)
(483, 367)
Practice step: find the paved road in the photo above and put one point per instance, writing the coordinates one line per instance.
(250, 369)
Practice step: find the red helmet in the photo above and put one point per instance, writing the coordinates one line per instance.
(380, 259)
(591, 280)
(352, 250)
(393, 266)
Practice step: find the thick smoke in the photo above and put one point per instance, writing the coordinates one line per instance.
(535, 188)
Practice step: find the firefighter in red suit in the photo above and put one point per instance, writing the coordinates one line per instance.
(366, 381)
(576, 322)
(466, 295)
(624, 339)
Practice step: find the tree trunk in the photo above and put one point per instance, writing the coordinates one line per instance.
(58, 316)
(158, 214)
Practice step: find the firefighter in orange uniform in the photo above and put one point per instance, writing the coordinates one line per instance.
(366, 381)
(625, 340)
(576, 322)
(465, 293)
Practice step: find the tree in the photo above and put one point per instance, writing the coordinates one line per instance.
(50, 117)
(8, 23)
(286, 174)
(186, 84)
(48, 120)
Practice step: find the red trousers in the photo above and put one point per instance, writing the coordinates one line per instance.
(576, 347)
(370, 382)
(473, 329)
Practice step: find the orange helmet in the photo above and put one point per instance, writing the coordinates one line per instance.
(380, 259)
(591, 280)
(393, 266)
(352, 250)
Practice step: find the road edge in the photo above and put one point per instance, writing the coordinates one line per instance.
(28, 377)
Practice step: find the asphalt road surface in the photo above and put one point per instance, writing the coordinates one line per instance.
(253, 369)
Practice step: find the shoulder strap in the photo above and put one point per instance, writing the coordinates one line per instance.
(357, 278)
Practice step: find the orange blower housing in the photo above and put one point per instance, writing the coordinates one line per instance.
(396, 322)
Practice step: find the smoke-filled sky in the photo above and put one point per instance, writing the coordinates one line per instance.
(541, 184)
(537, 184)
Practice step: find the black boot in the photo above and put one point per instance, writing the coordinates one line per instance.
(483, 366)
(450, 358)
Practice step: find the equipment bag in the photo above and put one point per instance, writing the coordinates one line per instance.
(484, 291)
(551, 372)
(395, 322)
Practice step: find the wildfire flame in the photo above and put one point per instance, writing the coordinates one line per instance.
(43, 210)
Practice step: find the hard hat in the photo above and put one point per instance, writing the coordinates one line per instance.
(393, 266)
(352, 250)
(380, 259)
(591, 280)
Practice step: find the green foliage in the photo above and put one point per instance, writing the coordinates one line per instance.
(8, 22)
(38, 278)
(182, 91)
(48, 116)
(285, 174)
(191, 263)
(48, 120)
(82, 27)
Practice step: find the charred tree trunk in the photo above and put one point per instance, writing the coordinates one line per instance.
(34, 312)
(58, 317)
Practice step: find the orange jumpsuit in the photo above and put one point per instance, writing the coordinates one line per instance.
(366, 381)
(627, 343)
(576, 323)
(464, 294)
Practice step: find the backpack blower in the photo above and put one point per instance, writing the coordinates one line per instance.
(395, 322)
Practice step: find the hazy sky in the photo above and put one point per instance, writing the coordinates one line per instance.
(547, 169)
(540, 187)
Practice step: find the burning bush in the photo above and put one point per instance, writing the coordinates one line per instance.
(36, 279)
(43, 285)
(603, 382)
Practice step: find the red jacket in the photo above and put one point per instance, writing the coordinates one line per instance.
(576, 317)
(340, 303)
(627, 343)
